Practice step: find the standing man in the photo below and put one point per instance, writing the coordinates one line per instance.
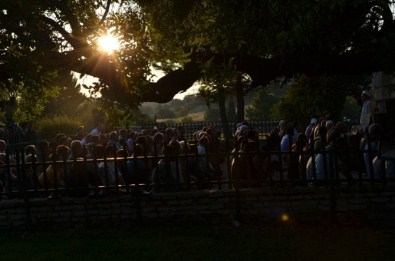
(367, 110)
(309, 131)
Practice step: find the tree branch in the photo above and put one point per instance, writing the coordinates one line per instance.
(74, 42)
(263, 71)
(105, 12)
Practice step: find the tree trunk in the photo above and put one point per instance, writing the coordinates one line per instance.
(224, 119)
(239, 100)
(231, 110)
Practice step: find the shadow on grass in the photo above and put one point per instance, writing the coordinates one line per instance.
(280, 238)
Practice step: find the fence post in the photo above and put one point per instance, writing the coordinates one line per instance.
(236, 182)
(332, 185)
(137, 191)
(28, 220)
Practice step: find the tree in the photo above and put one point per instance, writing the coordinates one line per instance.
(68, 98)
(212, 114)
(24, 101)
(231, 112)
(166, 113)
(351, 109)
(264, 39)
(270, 39)
(262, 104)
(322, 96)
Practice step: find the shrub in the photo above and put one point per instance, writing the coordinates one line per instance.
(165, 114)
(47, 128)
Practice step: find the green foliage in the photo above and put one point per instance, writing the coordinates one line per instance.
(117, 115)
(29, 97)
(40, 38)
(190, 104)
(212, 115)
(351, 109)
(54, 92)
(165, 113)
(68, 100)
(321, 96)
(47, 128)
(261, 106)
(2, 118)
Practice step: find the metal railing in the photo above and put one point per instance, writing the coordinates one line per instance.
(139, 176)
(190, 128)
(185, 171)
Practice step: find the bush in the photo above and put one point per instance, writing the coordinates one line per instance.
(47, 128)
(165, 114)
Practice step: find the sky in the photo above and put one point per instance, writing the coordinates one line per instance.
(89, 80)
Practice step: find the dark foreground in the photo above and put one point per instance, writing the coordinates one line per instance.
(281, 239)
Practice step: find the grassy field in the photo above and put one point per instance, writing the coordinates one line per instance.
(281, 241)
(197, 116)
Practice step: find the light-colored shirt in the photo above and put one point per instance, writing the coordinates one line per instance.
(366, 113)
(96, 132)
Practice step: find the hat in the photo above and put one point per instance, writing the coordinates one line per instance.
(365, 92)
(243, 128)
(313, 121)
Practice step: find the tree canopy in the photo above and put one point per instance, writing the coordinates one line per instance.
(264, 39)
(322, 97)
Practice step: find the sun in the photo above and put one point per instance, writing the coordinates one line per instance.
(108, 43)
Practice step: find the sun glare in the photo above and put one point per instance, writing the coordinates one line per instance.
(108, 43)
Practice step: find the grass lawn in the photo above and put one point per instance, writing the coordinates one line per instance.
(290, 240)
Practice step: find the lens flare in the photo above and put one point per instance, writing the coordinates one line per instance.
(284, 217)
(108, 43)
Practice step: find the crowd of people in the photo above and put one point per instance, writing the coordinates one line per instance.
(86, 161)
(164, 160)
(321, 151)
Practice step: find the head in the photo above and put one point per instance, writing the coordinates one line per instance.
(60, 138)
(81, 130)
(301, 140)
(329, 124)
(113, 136)
(365, 95)
(62, 152)
(158, 138)
(375, 130)
(169, 132)
(313, 121)
(76, 148)
(341, 127)
(3, 146)
(320, 131)
(30, 150)
(280, 125)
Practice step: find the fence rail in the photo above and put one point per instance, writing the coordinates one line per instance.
(264, 127)
(140, 176)
(181, 173)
